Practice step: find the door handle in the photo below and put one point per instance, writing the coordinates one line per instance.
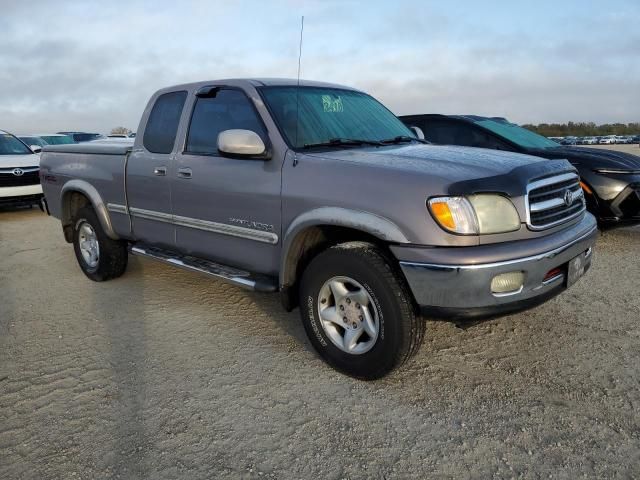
(184, 172)
(160, 171)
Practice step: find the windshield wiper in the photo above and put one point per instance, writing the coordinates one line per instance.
(403, 139)
(344, 142)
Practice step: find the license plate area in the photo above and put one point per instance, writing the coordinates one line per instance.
(576, 268)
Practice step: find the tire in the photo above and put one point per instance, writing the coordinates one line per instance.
(111, 256)
(356, 270)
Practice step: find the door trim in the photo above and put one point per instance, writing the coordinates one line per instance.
(215, 227)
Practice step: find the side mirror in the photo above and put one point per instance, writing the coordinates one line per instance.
(35, 148)
(238, 143)
(417, 131)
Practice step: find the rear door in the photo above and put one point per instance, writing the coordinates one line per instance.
(148, 180)
(226, 209)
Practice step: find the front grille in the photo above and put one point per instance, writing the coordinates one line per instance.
(627, 203)
(29, 176)
(554, 200)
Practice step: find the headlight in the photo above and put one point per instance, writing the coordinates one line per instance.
(616, 171)
(454, 214)
(477, 214)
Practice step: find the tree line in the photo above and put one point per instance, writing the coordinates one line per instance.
(120, 131)
(584, 129)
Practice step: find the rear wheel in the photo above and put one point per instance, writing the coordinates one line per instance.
(358, 312)
(100, 257)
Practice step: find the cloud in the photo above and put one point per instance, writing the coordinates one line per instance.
(91, 66)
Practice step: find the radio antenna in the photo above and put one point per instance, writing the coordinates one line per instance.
(295, 160)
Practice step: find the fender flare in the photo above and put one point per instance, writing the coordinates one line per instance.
(89, 191)
(367, 222)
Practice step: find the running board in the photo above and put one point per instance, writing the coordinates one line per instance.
(251, 281)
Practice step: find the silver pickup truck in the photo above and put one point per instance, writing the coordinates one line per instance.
(320, 193)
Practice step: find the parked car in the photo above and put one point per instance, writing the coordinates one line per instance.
(19, 172)
(79, 137)
(589, 141)
(610, 179)
(321, 193)
(569, 141)
(53, 138)
(33, 142)
(607, 140)
(126, 140)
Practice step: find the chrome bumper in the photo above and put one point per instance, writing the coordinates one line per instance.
(468, 286)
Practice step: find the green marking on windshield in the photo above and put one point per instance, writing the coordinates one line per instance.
(331, 105)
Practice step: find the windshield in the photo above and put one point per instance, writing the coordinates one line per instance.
(518, 135)
(330, 113)
(10, 145)
(57, 139)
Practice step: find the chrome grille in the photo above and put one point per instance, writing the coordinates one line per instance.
(554, 200)
(19, 176)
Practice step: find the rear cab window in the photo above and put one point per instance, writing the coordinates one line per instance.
(162, 124)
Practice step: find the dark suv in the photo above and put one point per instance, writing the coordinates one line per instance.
(80, 137)
(610, 179)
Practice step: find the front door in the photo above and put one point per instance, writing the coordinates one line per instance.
(226, 209)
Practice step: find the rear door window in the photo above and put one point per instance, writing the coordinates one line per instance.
(162, 125)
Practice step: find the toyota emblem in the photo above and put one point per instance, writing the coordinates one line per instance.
(18, 172)
(568, 197)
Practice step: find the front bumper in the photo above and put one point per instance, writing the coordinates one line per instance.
(626, 205)
(25, 195)
(22, 191)
(463, 288)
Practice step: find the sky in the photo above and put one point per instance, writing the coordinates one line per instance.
(91, 66)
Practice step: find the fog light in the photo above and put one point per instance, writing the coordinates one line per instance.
(511, 282)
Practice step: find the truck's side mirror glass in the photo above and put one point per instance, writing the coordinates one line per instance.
(237, 143)
(36, 148)
(417, 131)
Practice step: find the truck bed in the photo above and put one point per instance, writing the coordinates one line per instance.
(89, 167)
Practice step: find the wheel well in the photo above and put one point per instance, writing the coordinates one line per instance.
(309, 243)
(72, 201)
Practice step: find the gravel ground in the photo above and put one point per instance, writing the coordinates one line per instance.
(166, 374)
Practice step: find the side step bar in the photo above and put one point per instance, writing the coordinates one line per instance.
(250, 281)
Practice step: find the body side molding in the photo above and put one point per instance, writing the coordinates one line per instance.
(215, 227)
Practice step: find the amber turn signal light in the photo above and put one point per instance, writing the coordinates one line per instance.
(586, 188)
(443, 215)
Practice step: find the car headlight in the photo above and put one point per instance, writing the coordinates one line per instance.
(481, 214)
(626, 171)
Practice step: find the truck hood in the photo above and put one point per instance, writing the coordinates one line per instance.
(592, 157)
(13, 161)
(453, 164)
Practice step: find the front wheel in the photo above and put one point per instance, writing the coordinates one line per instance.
(358, 312)
(100, 257)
